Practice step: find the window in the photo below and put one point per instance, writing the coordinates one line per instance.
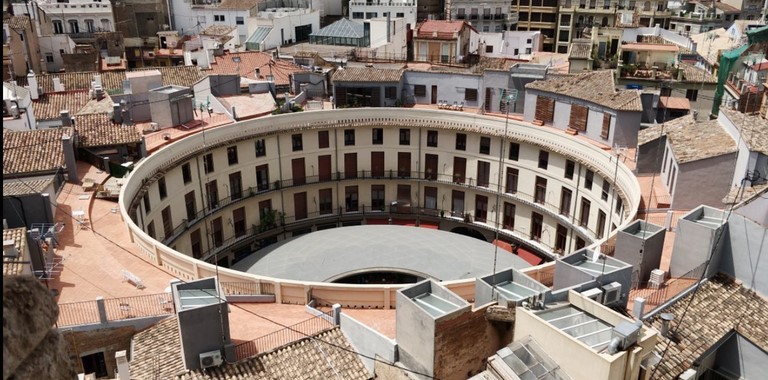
(578, 120)
(219, 18)
(208, 163)
(619, 205)
(561, 237)
(432, 139)
(151, 229)
(262, 177)
(73, 26)
(540, 191)
(692, 95)
(217, 232)
(470, 94)
(300, 205)
(261, 148)
(514, 151)
(167, 222)
(481, 208)
(232, 155)
(212, 189)
(543, 159)
(485, 145)
(405, 137)
(147, 205)
(509, 216)
(606, 190)
(377, 135)
(350, 198)
(419, 90)
(600, 231)
(349, 137)
(238, 221)
(161, 188)
(322, 139)
(606, 126)
(512, 178)
(189, 201)
(377, 197)
(461, 141)
(459, 169)
(49, 57)
(584, 217)
(537, 223)
(358, 15)
(570, 168)
(588, 178)
(404, 164)
(430, 197)
(326, 201)
(370, 15)
(89, 27)
(186, 173)
(350, 165)
(195, 242)
(297, 143)
(489, 49)
(565, 201)
(239, 20)
(390, 92)
(457, 202)
(545, 109)
(235, 186)
(483, 173)
(400, 14)
(58, 27)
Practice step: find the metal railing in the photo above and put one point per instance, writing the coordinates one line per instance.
(247, 288)
(284, 337)
(657, 296)
(114, 309)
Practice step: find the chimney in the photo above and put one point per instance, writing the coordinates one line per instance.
(123, 370)
(68, 141)
(638, 308)
(32, 81)
(666, 318)
(655, 71)
(9, 249)
(57, 86)
(66, 119)
(117, 114)
(97, 79)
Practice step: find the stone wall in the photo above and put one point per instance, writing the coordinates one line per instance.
(109, 341)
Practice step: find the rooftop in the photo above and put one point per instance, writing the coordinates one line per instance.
(95, 130)
(440, 29)
(579, 324)
(719, 307)
(14, 266)
(596, 87)
(27, 186)
(252, 60)
(49, 106)
(242, 5)
(673, 102)
(649, 47)
(249, 105)
(342, 28)
(691, 140)
(580, 50)
(17, 22)
(367, 74)
(218, 30)
(113, 80)
(33, 151)
(753, 128)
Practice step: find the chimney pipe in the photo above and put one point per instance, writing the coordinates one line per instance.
(123, 369)
(638, 308)
(32, 81)
(666, 318)
(9, 249)
(66, 120)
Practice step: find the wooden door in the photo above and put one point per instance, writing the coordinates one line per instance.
(324, 168)
(377, 164)
(430, 166)
(300, 205)
(404, 164)
(434, 94)
(299, 171)
(350, 165)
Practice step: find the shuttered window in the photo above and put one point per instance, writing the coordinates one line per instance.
(545, 109)
(578, 118)
(606, 126)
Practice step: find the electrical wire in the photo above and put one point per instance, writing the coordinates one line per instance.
(313, 338)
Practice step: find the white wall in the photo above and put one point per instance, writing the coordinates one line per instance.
(285, 22)
(53, 45)
(381, 8)
(189, 20)
(82, 10)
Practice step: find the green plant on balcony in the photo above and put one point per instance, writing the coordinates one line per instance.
(269, 220)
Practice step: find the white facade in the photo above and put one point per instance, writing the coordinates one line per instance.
(388, 41)
(79, 16)
(52, 48)
(747, 160)
(359, 11)
(283, 22)
(189, 18)
(514, 44)
(18, 102)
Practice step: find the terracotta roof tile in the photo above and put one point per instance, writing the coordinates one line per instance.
(16, 187)
(695, 74)
(176, 75)
(580, 50)
(94, 130)
(17, 22)
(33, 151)
(242, 5)
(691, 140)
(307, 359)
(597, 87)
(157, 351)
(753, 128)
(112, 81)
(249, 62)
(49, 106)
(14, 266)
(719, 307)
(440, 29)
(367, 74)
(217, 30)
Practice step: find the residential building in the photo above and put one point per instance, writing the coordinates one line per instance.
(367, 87)
(511, 44)
(192, 16)
(256, 65)
(18, 113)
(55, 153)
(586, 104)
(21, 50)
(275, 27)
(538, 15)
(365, 10)
(80, 19)
(493, 16)
(142, 19)
(699, 17)
(744, 86)
(16, 257)
(448, 42)
(751, 10)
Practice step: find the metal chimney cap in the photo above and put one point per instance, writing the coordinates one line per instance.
(667, 316)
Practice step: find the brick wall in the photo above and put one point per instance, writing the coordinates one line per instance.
(107, 340)
(464, 343)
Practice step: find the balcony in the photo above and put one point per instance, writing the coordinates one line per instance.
(499, 16)
(487, 17)
(473, 17)
(461, 16)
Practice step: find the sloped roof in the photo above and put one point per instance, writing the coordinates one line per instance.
(14, 266)
(597, 87)
(719, 307)
(691, 140)
(49, 106)
(308, 359)
(694, 74)
(242, 5)
(753, 128)
(94, 130)
(113, 80)
(580, 50)
(440, 29)
(17, 22)
(9, 89)
(250, 61)
(157, 351)
(33, 151)
(218, 30)
(342, 28)
(15, 187)
(367, 74)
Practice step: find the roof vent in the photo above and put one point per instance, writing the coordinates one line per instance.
(9, 249)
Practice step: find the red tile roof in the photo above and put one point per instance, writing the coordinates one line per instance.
(249, 62)
(49, 106)
(34, 151)
(441, 29)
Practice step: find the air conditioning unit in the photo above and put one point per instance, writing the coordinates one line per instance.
(154, 127)
(627, 333)
(612, 293)
(594, 294)
(657, 278)
(210, 359)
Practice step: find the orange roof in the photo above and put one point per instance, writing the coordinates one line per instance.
(760, 66)
(674, 103)
(649, 47)
(252, 60)
(441, 29)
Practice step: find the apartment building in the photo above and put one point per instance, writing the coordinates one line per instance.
(486, 16)
(538, 15)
